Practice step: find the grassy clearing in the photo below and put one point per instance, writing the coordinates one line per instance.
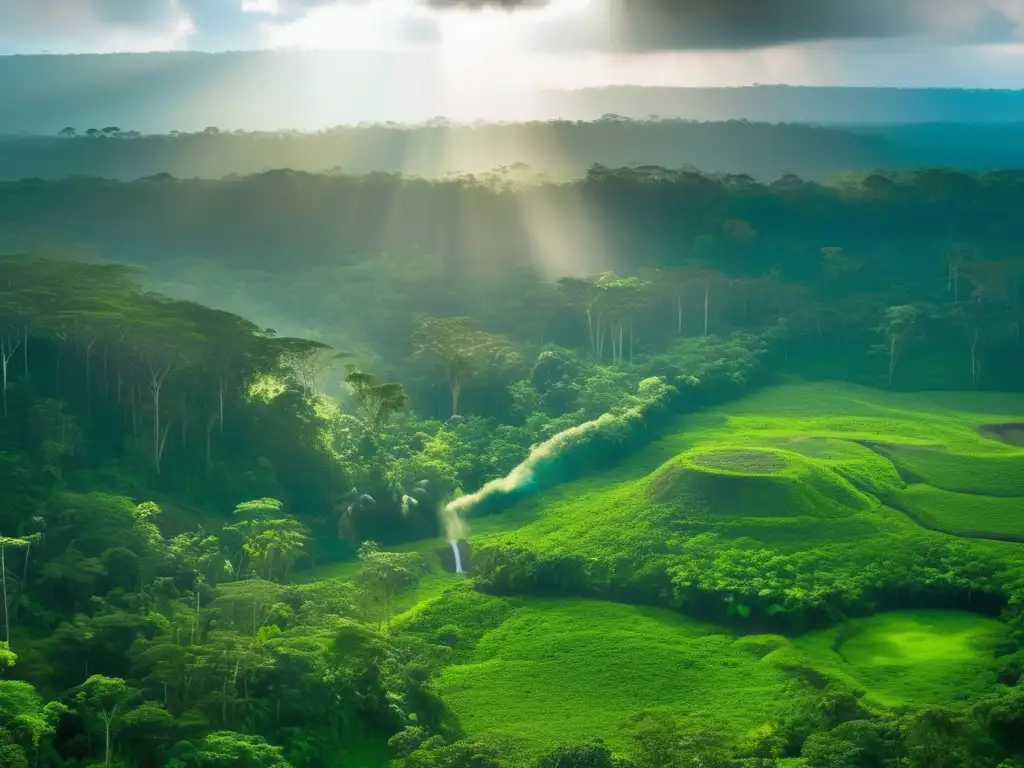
(984, 474)
(964, 514)
(560, 671)
(535, 673)
(910, 659)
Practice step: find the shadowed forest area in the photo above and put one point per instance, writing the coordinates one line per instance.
(558, 149)
(731, 461)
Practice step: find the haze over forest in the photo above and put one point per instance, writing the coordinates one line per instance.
(309, 90)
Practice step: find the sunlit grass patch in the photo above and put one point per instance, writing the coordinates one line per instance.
(911, 659)
(965, 514)
(561, 671)
(990, 474)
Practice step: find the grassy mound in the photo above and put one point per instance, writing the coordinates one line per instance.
(753, 483)
(911, 659)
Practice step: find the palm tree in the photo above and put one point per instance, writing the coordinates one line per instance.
(410, 497)
(354, 501)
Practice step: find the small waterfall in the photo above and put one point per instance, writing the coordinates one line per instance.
(458, 555)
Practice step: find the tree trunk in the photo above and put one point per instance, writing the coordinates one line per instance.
(3, 366)
(679, 313)
(135, 414)
(195, 624)
(7, 350)
(24, 574)
(892, 358)
(707, 293)
(88, 378)
(456, 387)
(3, 578)
(156, 427)
(220, 404)
(209, 437)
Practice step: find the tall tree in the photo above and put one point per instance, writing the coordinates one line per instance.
(898, 325)
(458, 348)
(104, 700)
(377, 401)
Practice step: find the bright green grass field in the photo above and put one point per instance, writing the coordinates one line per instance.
(911, 659)
(965, 514)
(538, 673)
(563, 671)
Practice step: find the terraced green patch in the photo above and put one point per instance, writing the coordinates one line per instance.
(560, 671)
(965, 514)
(911, 659)
(987, 474)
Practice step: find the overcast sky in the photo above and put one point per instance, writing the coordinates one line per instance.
(973, 43)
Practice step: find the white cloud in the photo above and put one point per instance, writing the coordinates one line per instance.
(93, 26)
(271, 7)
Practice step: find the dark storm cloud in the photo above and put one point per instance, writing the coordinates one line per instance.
(637, 25)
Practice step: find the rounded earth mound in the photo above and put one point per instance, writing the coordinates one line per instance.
(769, 484)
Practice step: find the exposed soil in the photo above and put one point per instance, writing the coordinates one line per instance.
(1011, 432)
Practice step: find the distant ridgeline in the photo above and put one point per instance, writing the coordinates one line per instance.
(212, 115)
(560, 148)
(157, 92)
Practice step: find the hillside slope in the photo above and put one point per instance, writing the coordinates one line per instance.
(783, 508)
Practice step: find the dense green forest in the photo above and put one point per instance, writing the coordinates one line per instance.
(558, 149)
(735, 469)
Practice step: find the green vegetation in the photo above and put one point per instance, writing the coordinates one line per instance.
(965, 514)
(713, 510)
(582, 668)
(778, 512)
(914, 659)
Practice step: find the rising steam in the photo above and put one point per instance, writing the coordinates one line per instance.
(542, 460)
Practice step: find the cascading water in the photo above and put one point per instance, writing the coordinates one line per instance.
(458, 555)
(455, 530)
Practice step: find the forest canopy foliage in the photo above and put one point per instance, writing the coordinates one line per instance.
(301, 370)
(558, 149)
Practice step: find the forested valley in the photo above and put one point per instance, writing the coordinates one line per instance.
(704, 432)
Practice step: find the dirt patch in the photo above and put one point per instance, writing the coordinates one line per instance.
(1010, 432)
(744, 461)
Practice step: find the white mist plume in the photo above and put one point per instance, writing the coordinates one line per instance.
(520, 477)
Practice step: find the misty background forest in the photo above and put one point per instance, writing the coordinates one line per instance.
(599, 440)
